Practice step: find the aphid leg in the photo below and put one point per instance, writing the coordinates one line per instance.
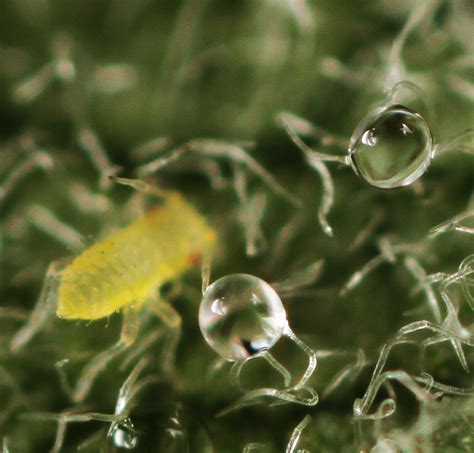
(44, 308)
(172, 319)
(139, 348)
(128, 334)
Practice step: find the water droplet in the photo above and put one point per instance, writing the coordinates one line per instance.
(391, 147)
(124, 438)
(250, 317)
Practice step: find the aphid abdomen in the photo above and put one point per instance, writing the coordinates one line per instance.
(125, 267)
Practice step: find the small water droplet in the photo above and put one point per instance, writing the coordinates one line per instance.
(124, 438)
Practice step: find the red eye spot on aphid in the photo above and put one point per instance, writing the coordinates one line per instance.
(195, 258)
(153, 211)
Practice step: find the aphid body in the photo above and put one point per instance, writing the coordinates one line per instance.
(127, 266)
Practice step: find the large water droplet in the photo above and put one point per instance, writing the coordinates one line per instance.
(250, 317)
(391, 147)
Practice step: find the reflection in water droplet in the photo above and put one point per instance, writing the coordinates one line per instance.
(369, 138)
(391, 147)
(250, 317)
(124, 438)
(218, 307)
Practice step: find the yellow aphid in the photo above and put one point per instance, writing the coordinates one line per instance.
(126, 267)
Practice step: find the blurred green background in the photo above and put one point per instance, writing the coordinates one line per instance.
(134, 70)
